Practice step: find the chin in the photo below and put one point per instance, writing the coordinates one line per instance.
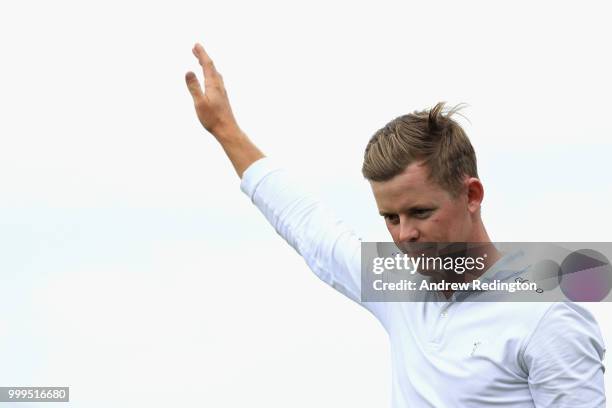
(416, 249)
(435, 274)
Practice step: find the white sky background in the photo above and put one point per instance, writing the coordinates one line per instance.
(132, 268)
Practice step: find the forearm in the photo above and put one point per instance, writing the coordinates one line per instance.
(240, 150)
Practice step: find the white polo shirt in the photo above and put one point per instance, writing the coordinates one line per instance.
(446, 353)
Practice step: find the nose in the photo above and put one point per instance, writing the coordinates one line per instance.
(408, 232)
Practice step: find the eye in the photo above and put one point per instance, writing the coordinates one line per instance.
(391, 218)
(422, 213)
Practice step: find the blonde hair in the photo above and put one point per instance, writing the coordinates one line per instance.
(430, 136)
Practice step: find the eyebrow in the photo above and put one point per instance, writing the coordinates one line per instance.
(411, 209)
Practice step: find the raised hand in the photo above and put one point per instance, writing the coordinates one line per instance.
(215, 114)
(212, 105)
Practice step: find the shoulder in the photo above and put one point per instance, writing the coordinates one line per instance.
(566, 318)
(563, 358)
(549, 317)
(564, 328)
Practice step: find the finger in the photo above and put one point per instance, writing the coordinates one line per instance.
(195, 89)
(211, 75)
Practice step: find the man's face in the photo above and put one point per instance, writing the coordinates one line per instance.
(418, 210)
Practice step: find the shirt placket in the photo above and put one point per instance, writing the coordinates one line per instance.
(441, 322)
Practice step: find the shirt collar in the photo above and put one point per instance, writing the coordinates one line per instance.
(508, 267)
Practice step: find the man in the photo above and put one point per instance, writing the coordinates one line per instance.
(445, 353)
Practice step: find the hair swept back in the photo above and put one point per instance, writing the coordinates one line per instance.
(430, 136)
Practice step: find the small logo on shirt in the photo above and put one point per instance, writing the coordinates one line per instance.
(476, 345)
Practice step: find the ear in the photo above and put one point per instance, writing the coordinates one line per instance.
(475, 194)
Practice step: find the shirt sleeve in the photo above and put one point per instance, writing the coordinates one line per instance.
(330, 248)
(564, 359)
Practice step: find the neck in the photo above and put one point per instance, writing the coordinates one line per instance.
(487, 251)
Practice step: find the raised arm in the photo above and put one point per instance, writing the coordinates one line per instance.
(215, 113)
(330, 248)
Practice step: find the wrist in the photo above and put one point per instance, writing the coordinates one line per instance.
(229, 134)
